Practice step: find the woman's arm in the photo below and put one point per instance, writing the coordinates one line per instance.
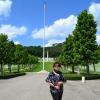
(60, 83)
(52, 85)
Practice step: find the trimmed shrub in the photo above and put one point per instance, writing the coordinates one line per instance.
(92, 76)
(11, 75)
(79, 76)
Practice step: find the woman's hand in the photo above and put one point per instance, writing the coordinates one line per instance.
(57, 87)
(60, 83)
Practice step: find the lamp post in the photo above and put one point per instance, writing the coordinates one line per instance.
(44, 36)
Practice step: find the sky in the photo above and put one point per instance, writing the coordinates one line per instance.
(23, 20)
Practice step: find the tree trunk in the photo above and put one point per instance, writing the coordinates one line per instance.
(81, 67)
(72, 69)
(84, 68)
(94, 67)
(9, 67)
(1, 69)
(18, 68)
(22, 66)
(66, 67)
(87, 68)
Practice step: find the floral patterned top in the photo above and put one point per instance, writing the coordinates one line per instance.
(54, 79)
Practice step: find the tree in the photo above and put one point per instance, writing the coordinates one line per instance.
(56, 48)
(10, 55)
(61, 59)
(19, 56)
(69, 52)
(34, 50)
(85, 38)
(32, 60)
(96, 58)
(3, 50)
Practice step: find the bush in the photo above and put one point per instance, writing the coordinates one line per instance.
(11, 75)
(72, 76)
(79, 76)
(92, 76)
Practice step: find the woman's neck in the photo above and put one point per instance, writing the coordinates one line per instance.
(56, 72)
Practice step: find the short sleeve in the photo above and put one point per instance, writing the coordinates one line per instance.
(62, 78)
(48, 79)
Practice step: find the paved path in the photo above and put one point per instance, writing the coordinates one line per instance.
(33, 87)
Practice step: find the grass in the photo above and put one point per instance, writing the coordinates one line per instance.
(97, 67)
(47, 66)
(37, 67)
(67, 72)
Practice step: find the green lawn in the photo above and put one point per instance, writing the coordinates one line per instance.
(97, 67)
(48, 66)
(67, 72)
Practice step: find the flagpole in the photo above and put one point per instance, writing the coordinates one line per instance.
(44, 37)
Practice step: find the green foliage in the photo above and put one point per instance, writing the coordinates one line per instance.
(48, 66)
(85, 38)
(68, 50)
(6, 51)
(34, 50)
(39, 66)
(62, 59)
(56, 48)
(71, 76)
(13, 54)
(37, 50)
(11, 75)
(21, 55)
(32, 59)
(80, 48)
(3, 48)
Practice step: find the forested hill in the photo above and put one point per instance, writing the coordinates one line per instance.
(53, 51)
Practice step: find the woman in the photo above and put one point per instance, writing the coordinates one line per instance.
(55, 79)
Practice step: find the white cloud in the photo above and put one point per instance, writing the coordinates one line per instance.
(5, 7)
(16, 42)
(60, 28)
(12, 31)
(95, 10)
(98, 39)
(53, 41)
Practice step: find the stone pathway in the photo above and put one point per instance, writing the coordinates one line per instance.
(33, 87)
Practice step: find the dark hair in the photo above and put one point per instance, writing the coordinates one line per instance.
(59, 65)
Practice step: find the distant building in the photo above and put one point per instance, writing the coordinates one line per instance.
(46, 60)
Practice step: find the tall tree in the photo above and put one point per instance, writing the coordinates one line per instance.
(3, 50)
(32, 60)
(69, 52)
(85, 37)
(10, 55)
(19, 56)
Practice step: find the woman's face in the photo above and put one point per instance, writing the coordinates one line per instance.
(57, 68)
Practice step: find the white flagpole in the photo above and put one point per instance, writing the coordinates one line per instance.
(44, 37)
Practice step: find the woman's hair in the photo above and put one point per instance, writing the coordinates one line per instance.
(56, 63)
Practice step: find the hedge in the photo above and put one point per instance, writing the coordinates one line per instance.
(79, 76)
(11, 75)
(92, 76)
